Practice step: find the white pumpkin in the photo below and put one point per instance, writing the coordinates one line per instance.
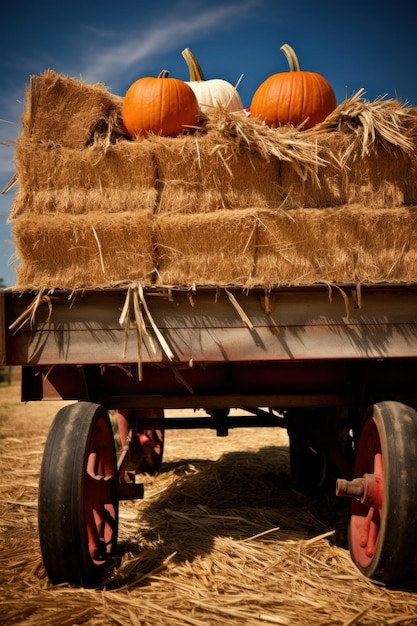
(215, 92)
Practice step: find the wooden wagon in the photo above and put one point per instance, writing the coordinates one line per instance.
(239, 267)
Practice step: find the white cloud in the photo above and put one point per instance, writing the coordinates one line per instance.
(141, 44)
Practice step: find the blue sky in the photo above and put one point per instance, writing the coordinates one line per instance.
(355, 44)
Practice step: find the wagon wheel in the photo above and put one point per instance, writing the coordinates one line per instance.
(151, 441)
(78, 505)
(382, 531)
(144, 430)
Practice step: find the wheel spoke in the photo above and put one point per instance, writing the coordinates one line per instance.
(373, 534)
(142, 438)
(369, 531)
(151, 443)
(100, 512)
(101, 526)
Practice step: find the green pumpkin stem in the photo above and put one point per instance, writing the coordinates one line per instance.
(163, 74)
(196, 73)
(291, 57)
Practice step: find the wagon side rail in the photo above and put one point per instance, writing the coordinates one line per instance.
(309, 346)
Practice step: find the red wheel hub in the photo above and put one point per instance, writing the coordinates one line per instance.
(367, 493)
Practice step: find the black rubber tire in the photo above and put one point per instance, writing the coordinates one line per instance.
(389, 430)
(80, 433)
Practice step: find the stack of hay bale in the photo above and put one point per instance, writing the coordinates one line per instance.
(235, 203)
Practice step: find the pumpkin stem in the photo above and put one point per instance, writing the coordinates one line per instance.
(163, 74)
(291, 57)
(196, 73)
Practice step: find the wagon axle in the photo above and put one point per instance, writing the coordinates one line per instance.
(368, 489)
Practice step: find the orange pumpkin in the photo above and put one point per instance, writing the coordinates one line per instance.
(162, 106)
(302, 99)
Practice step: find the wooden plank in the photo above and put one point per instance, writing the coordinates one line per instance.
(218, 344)
(206, 327)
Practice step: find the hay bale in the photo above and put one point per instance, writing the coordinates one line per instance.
(377, 181)
(57, 179)
(209, 248)
(69, 201)
(368, 149)
(328, 204)
(326, 188)
(343, 245)
(198, 175)
(410, 189)
(65, 111)
(121, 166)
(84, 251)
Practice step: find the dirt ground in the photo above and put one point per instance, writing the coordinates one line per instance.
(219, 538)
